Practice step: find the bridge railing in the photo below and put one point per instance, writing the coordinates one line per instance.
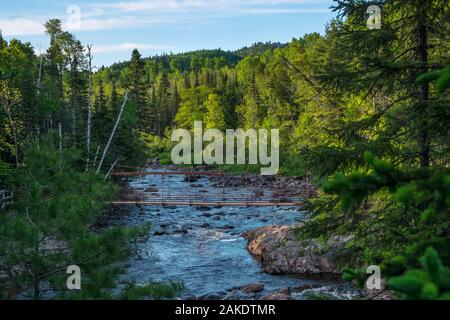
(165, 194)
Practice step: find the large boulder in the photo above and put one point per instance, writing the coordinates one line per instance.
(280, 252)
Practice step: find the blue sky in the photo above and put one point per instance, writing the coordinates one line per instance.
(115, 27)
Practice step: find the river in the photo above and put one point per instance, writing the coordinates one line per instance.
(203, 247)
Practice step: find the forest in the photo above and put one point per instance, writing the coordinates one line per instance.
(364, 113)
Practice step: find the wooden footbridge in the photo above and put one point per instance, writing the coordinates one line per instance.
(163, 188)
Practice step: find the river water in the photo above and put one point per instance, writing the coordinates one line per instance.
(203, 248)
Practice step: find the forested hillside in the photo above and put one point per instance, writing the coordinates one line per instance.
(365, 113)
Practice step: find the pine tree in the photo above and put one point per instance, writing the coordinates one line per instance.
(152, 102)
(164, 112)
(137, 89)
(103, 120)
(175, 103)
(369, 63)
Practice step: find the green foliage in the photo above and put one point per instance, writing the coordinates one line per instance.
(431, 282)
(386, 211)
(318, 296)
(6, 175)
(385, 162)
(365, 108)
(442, 78)
(49, 228)
(358, 275)
(416, 188)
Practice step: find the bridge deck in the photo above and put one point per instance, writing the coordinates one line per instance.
(164, 173)
(166, 196)
(209, 204)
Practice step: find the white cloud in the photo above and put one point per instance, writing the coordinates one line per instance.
(21, 27)
(218, 6)
(123, 14)
(155, 5)
(102, 24)
(280, 11)
(28, 27)
(130, 46)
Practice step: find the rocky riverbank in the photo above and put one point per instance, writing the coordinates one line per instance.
(257, 291)
(280, 252)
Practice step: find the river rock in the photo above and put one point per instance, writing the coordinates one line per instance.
(303, 288)
(181, 231)
(277, 296)
(212, 296)
(282, 186)
(281, 253)
(253, 288)
(286, 291)
(235, 295)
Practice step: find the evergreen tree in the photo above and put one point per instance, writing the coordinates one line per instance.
(103, 116)
(137, 89)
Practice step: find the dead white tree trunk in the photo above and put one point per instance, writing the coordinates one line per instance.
(60, 144)
(111, 169)
(39, 80)
(96, 156)
(91, 94)
(113, 133)
(38, 132)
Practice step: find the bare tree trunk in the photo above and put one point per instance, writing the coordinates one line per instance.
(60, 144)
(38, 133)
(73, 73)
(89, 121)
(39, 80)
(111, 169)
(112, 133)
(96, 156)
